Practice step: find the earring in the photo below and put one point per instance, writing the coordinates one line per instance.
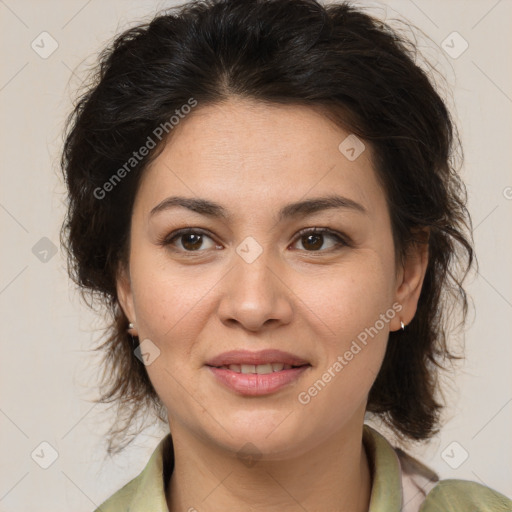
(131, 326)
(402, 325)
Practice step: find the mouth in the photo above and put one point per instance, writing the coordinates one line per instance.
(260, 369)
(257, 373)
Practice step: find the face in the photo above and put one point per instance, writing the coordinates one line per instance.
(293, 252)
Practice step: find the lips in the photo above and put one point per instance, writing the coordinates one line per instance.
(257, 373)
(264, 361)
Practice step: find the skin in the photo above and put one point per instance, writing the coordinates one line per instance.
(308, 297)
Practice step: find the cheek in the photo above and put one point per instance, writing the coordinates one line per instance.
(351, 314)
(172, 307)
(167, 300)
(350, 297)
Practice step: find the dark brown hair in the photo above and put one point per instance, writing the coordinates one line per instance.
(356, 70)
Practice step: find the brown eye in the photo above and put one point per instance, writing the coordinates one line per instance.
(313, 240)
(189, 240)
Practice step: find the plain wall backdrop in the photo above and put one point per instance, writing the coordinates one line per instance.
(47, 372)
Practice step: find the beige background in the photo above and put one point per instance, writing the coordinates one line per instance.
(47, 375)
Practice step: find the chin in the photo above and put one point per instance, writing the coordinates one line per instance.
(268, 436)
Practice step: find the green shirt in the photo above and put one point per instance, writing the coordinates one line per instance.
(399, 484)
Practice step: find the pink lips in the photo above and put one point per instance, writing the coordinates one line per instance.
(253, 384)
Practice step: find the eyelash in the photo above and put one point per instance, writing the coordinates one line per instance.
(341, 240)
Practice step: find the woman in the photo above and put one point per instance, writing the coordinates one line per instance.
(263, 193)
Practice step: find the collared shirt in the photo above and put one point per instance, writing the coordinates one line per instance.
(400, 483)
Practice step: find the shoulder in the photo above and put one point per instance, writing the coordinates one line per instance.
(462, 496)
(424, 492)
(419, 487)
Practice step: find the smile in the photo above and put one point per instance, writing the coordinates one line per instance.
(260, 369)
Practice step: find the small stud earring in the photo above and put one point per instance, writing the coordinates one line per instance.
(402, 325)
(131, 325)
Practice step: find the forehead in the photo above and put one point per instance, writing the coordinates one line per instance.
(245, 153)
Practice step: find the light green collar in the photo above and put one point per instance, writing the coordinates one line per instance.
(146, 492)
(386, 494)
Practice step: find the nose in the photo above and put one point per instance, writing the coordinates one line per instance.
(254, 295)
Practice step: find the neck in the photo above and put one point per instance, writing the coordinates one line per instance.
(333, 476)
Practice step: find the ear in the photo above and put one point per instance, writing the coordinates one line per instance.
(410, 276)
(125, 294)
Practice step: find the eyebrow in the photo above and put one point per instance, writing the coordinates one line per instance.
(297, 209)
